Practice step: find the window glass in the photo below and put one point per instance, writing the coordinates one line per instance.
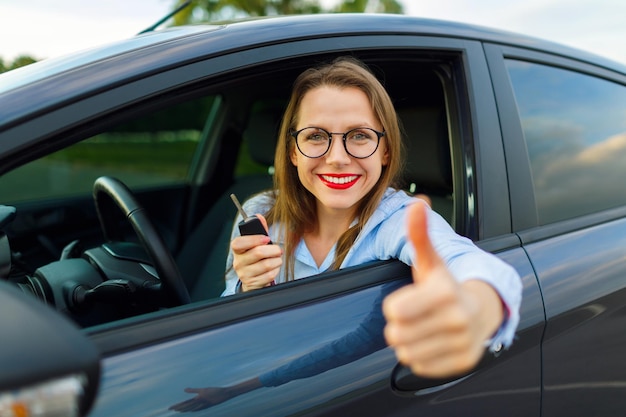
(575, 131)
(154, 150)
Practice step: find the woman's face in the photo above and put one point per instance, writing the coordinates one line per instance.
(338, 180)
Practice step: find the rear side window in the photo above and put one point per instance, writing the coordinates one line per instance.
(575, 131)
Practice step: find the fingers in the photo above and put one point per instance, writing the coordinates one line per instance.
(418, 311)
(242, 244)
(421, 312)
(192, 404)
(256, 262)
(436, 338)
(440, 357)
(263, 222)
(188, 405)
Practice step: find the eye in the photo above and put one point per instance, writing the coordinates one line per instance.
(316, 136)
(360, 135)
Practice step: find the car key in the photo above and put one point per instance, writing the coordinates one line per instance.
(250, 225)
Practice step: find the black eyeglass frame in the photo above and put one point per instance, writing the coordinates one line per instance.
(379, 135)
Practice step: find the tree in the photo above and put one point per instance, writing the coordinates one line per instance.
(20, 61)
(369, 6)
(211, 10)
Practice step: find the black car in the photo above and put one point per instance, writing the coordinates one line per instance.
(116, 167)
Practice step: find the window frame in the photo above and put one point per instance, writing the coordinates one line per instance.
(471, 62)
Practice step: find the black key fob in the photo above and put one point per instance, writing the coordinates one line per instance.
(250, 225)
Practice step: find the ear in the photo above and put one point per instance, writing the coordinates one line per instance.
(385, 157)
(293, 155)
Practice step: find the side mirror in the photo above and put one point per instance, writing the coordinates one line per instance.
(49, 368)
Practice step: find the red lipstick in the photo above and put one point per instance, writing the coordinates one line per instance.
(339, 181)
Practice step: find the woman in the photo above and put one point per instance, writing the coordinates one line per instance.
(333, 206)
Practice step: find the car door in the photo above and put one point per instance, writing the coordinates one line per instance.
(566, 128)
(316, 344)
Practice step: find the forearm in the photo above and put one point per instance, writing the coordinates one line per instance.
(244, 387)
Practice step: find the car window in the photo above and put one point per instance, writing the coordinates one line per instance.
(575, 132)
(222, 141)
(153, 150)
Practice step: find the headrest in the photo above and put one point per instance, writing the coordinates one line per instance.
(261, 133)
(428, 166)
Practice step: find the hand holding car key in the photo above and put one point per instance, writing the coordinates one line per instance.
(250, 225)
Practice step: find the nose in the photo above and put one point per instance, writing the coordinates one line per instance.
(337, 154)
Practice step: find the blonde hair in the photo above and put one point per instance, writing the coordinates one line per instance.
(295, 207)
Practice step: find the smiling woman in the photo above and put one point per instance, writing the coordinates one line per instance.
(316, 207)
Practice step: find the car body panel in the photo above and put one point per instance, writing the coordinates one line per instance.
(344, 372)
(582, 280)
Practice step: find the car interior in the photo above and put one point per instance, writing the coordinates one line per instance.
(243, 124)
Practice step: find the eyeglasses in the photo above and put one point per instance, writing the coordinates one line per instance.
(314, 142)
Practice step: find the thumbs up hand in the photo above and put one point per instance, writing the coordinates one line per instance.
(436, 325)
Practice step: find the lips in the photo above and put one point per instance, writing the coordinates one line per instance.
(339, 181)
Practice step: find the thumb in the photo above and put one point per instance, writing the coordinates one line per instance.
(263, 222)
(426, 257)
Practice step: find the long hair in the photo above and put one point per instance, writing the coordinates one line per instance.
(295, 207)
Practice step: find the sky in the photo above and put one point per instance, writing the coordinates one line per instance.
(46, 29)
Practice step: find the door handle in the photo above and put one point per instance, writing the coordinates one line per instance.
(405, 383)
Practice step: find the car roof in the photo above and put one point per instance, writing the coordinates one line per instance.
(176, 46)
(53, 66)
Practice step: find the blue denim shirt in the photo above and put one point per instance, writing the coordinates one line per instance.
(384, 237)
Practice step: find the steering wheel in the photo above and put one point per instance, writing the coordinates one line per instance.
(110, 193)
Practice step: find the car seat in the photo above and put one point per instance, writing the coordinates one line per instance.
(428, 168)
(202, 258)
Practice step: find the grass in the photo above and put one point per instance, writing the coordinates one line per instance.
(167, 158)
